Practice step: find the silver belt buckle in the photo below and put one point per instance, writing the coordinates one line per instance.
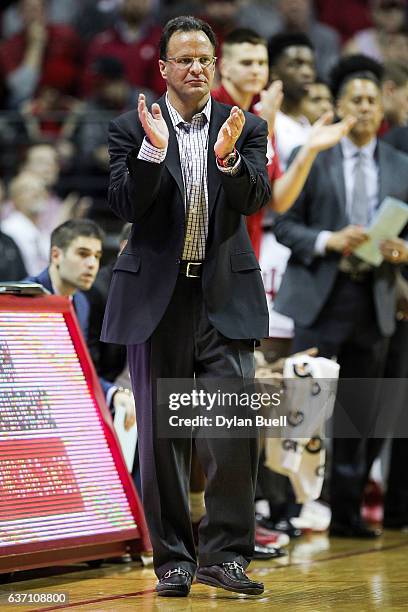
(191, 275)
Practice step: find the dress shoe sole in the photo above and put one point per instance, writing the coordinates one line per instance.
(172, 593)
(215, 583)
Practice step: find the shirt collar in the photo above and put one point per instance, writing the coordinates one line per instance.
(349, 149)
(177, 119)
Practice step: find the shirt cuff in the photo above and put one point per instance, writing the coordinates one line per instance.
(150, 153)
(109, 395)
(321, 241)
(234, 169)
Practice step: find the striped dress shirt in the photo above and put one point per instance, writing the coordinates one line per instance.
(192, 139)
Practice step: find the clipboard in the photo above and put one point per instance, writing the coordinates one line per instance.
(390, 219)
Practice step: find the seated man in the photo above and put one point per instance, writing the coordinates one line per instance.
(76, 250)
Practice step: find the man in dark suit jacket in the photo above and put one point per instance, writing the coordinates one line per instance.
(340, 305)
(187, 298)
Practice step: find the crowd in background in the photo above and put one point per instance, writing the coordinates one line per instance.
(67, 68)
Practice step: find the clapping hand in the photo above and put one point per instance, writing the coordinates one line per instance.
(153, 123)
(229, 133)
(325, 134)
(270, 103)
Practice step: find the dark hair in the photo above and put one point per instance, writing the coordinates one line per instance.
(280, 42)
(185, 23)
(352, 67)
(397, 72)
(64, 234)
(244, 35)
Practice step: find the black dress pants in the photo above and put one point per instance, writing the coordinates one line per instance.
(184, 345)
(347, 329)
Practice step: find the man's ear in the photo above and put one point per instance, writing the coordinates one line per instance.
(163, 69)
(55, 255)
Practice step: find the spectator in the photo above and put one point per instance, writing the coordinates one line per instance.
(29, 197)
(339, 304)
(297, 16)
(317, 101)
(42, 54)
(76, 250)
(43, 161)
(270, 18)
(382, 41)
(58, 12)
(222, 15)
(395, 94)
(291, 60)
(244, 74)
(134, 41)
(11, 263)
(347, 17)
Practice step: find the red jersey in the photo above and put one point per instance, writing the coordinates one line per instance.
(254, 222)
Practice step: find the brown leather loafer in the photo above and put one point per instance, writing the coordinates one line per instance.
(229, 576)
(174, 583)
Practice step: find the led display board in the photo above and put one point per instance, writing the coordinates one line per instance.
(65, 492)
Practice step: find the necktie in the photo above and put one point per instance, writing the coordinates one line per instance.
(359, 212)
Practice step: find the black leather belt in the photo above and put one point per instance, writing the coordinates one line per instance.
(191, 269)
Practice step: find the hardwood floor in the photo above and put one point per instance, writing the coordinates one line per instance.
(318, 575)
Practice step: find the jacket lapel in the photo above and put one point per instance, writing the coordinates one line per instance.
(172, 161)
(218, 116)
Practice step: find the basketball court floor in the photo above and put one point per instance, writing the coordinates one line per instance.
(318, 575)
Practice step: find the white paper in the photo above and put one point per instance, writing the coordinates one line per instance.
(127, 439)
(388, 223)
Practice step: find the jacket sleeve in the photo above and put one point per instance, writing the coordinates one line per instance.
(292, 227)
(134, 183)
(249, 189)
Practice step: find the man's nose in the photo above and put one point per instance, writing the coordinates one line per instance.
(196, 66)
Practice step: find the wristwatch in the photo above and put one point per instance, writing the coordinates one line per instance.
(229, 161)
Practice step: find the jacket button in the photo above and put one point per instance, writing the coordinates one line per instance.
(253, 179)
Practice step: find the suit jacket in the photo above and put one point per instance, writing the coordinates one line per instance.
(81, 306)
(151, 197)
(309, 279)
(109, 359)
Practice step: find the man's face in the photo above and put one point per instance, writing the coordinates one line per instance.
(29, 195)
(361, 98)
(296, 68)
(246, 67)
(188, 82)
(317, 101)
(78, 265)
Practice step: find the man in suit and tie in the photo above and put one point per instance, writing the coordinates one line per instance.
(76, 250)
(339, 304)
(187, 298)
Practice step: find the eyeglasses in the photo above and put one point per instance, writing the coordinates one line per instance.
(185, 63)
